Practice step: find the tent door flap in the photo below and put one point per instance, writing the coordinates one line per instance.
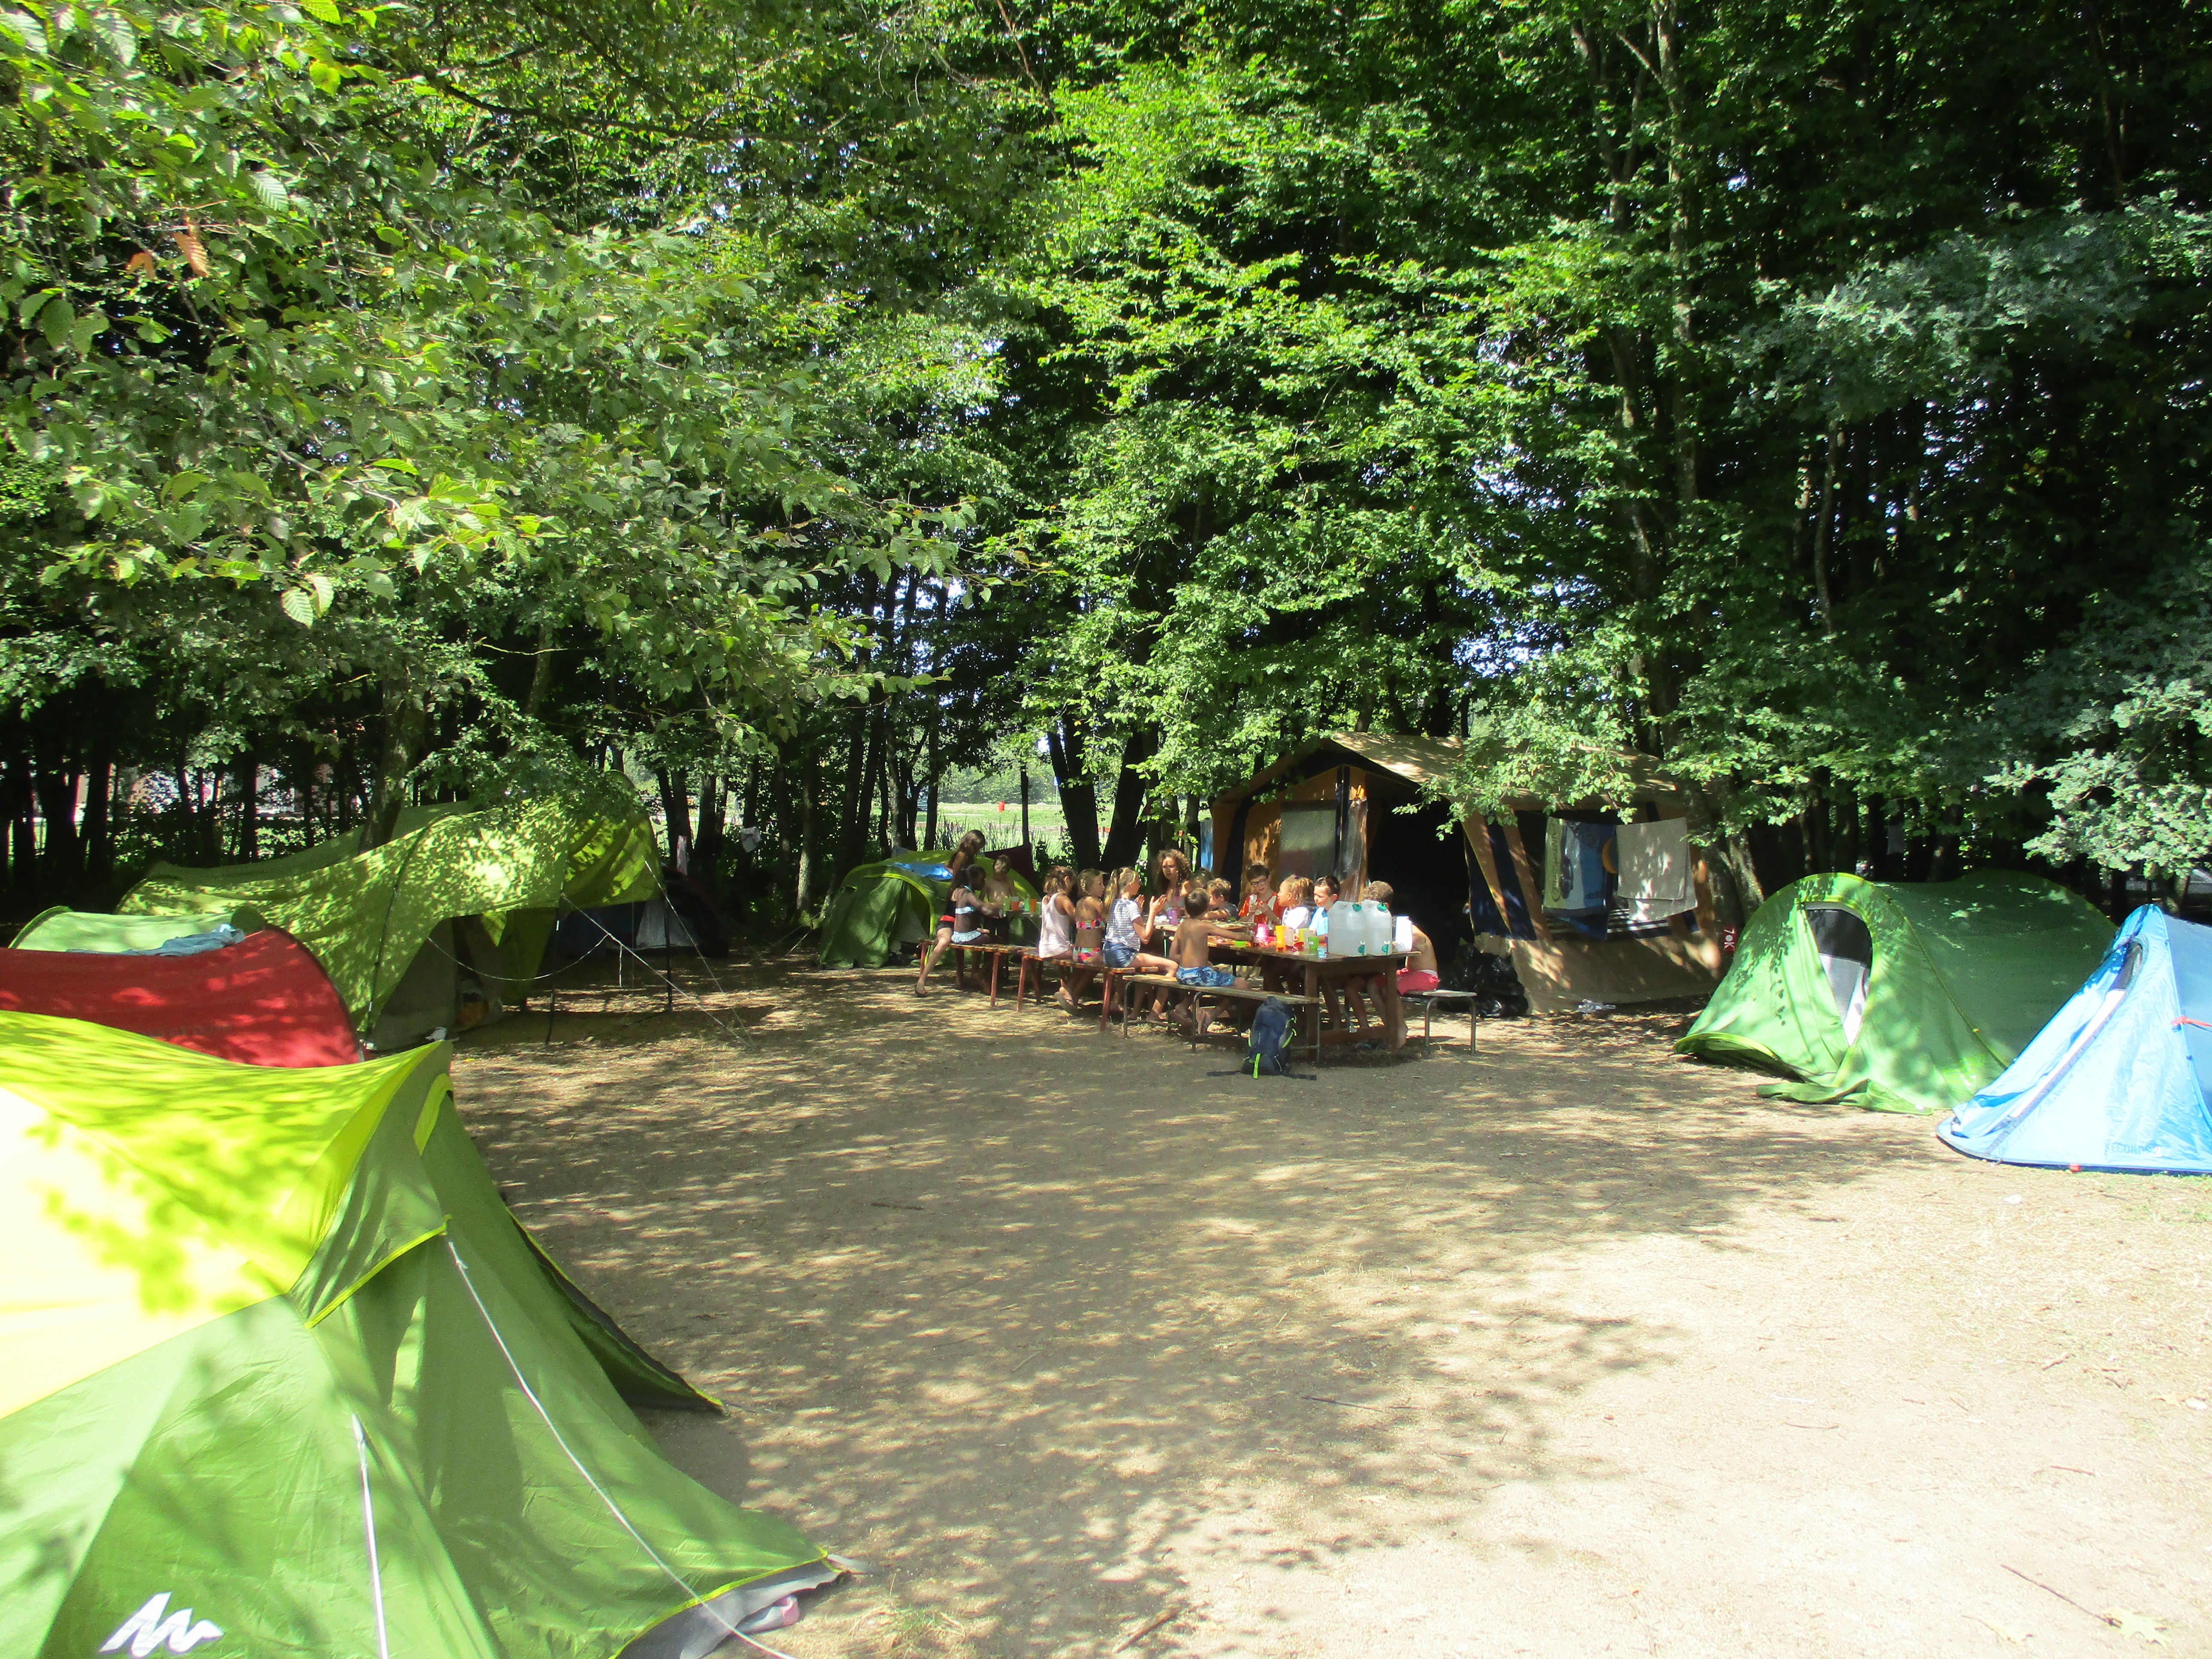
(1846, 951)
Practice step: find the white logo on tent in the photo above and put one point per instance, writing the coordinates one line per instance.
(153, 1624)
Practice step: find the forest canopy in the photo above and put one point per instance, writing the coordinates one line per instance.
(799, 405)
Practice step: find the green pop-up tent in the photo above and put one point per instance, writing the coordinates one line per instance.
(1903, 996)
(879, 906)
(280, 1374)
(369, 915)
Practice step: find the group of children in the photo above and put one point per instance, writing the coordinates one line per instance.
(1093, 921)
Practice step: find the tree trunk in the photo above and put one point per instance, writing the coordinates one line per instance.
(851, 827)
(248, 789)
(714, 820)
(541, 672)
(929, 782)
(57, 787)
(22, 827)
(99, 825)
(406, 726)
(1079, 798)
(1125, 838)
(675, 812)
(808, 782)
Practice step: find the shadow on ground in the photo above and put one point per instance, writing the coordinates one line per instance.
(1018, 1309)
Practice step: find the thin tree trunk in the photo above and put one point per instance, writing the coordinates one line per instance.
(1823, 527)
(99, 828)
(248, 789)
(406, 727)
(803, 890)
(929, 782)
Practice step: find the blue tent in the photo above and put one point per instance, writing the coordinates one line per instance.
(2121, 1078)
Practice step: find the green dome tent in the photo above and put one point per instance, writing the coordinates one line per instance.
(278, 1367)
(879, 906)
(1902, 996)
(877, 909)
(372, 916)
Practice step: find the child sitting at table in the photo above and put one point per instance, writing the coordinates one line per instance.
(1090, 933)
(1056, 923)
(1221, 899)
(1195, 939)
(1123, 946)
(999, 894)
(1259, 895)
(1294, 902)
(1419, 973)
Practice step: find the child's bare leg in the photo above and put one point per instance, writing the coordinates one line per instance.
(1351, 995)
(936, 948)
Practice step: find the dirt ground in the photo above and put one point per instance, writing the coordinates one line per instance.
(1091, 1345)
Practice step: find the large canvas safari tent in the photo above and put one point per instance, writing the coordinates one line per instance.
(1351, 804)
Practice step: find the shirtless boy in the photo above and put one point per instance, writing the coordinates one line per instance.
(1193, 943)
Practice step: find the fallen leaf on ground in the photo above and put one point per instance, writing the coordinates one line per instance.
(2135, 1624)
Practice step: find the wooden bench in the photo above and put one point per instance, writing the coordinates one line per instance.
(1308, 1008)
(997, 953)
(1427, 1001)
(1060, 965)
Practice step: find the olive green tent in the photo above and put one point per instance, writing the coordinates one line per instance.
(879, 906)
(1903, 996)
(370, 916)
(280, 1374)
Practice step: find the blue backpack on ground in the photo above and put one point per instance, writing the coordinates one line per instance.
(1271, 1030)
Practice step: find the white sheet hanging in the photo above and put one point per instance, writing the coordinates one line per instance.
(1655, 879)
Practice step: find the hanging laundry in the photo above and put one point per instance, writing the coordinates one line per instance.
(1575, 862)
(1655, 880)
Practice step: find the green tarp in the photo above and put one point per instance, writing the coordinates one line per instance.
(279, 1373)
(1963, 973)
(365, 914)
(63, 929)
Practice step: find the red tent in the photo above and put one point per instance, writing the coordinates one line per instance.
(263, 1001)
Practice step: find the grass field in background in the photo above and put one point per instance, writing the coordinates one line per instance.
(955, 818)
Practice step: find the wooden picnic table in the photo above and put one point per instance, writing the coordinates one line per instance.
(1313, 976)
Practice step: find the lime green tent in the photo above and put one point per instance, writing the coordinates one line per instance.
(63, 929)
(280, 1374)
(877, 909)
(369, 915)
(1904, 996)
(879, 906)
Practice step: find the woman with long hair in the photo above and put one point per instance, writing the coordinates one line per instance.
(963, 922)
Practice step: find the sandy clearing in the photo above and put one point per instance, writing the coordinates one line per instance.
(1569, 1348)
